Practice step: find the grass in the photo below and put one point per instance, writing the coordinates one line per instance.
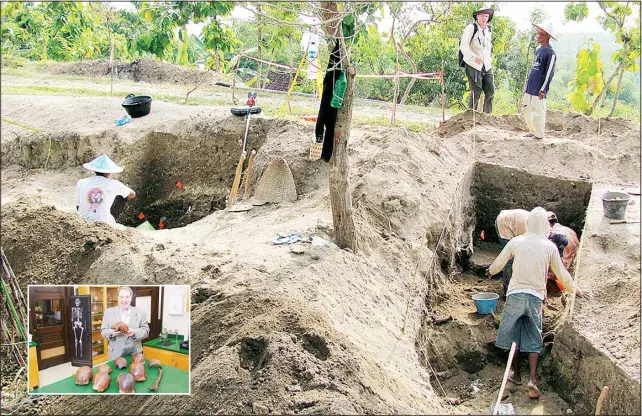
(88, 92)
(293, 112)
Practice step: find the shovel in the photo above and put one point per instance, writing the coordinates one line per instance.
(239, 111)
(624, 222)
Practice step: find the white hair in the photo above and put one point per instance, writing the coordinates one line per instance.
(128, 289)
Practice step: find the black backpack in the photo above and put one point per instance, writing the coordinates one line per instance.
(461, 55)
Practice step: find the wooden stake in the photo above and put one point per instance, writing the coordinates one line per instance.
(248, 174)
(501, 390)
(600, 400)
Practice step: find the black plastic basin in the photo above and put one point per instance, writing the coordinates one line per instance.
(137, 106)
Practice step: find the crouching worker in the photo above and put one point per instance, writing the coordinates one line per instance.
(533, 253)
(509, 224)
(100, 198)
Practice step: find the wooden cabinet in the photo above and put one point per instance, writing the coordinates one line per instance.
(164, 356)
(34, 381)
(174, 359)
(181, 361)
(102, 297)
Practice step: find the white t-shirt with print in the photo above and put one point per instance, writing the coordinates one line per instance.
(96, 195)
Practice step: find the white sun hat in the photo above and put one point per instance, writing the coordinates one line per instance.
(546, 27)
(103, 164)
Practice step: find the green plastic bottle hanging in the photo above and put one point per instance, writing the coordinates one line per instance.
(339, 90)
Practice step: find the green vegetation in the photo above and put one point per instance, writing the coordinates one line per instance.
(596, 73)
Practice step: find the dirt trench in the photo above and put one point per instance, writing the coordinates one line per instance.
(457, 345)
(316, 331)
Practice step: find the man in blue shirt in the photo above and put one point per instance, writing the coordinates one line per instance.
(539, 80)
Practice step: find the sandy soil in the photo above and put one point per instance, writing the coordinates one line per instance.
(315, 330)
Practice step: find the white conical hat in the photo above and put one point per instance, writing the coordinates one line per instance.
(103, 164)
(546, 27)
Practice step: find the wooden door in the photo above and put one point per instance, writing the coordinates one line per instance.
(49, 323)
(155, 322)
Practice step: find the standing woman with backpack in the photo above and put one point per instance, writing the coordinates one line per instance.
(474, 56)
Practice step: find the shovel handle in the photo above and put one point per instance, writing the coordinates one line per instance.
(248, 174)
(237, 180)
(600, 400)
(501, 390)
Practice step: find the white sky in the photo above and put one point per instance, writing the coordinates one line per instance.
(519, 12)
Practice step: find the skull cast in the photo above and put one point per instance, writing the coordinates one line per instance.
(120, 327)
(138, 371)
(120, 362)
(102, 381)
(138, 357)
(125, 383)
(83, 375)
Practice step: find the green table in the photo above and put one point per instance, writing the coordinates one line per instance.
(174, 381)
(173, 347)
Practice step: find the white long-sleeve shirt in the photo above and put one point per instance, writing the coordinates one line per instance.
(532, 254)
(479, 46)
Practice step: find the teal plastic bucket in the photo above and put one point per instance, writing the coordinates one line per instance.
(486, 302)
(614, 204)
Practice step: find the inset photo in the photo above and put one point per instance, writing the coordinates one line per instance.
(109, 339)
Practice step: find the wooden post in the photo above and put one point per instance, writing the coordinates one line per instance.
(111, 64)
(394, 99)
(443, 94)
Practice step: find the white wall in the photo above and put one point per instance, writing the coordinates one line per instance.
(172, 322)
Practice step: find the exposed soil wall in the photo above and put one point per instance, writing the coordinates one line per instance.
(497, 188)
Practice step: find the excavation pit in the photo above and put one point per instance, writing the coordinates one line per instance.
(179, 180)
(462, 350)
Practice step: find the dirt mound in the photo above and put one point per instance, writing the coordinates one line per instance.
(558, 124)
(140, 70)
(47, 246)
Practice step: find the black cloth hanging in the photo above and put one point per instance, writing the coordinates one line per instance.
(327, 117)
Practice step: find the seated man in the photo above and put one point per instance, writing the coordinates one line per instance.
(510, 223)
(95, 196)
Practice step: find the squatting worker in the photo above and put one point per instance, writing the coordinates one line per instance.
(539, 81)
(136, 320)
(521, 320)
(475, 47)
(509, 224)
(100, 198)
(567, 243)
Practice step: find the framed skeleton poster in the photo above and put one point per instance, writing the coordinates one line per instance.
(80, 330)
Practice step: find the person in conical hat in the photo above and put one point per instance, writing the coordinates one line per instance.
(475, 56)
(539, 81)
(100, 198)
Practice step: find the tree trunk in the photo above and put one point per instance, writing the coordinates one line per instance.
(412, 80)
(340, 192)
(218, 60)
(619, 81)
(605, 89)
(259, 49)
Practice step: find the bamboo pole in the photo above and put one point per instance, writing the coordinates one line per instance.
(443, 94)
(501, 389)
(600, 400)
